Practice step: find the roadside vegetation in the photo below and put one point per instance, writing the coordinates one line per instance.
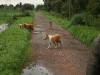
(84, 33)
(14, 42)
(80, 17)
(6, 16)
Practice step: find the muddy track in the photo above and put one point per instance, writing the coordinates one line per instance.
(69, 60)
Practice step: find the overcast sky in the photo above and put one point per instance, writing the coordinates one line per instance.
(14, 2)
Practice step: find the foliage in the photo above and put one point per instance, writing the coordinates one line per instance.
(69, 9)
(14, 47)
(7, 15)
(66, 7)
(39, 7)
(82, 19)
(18, 6)
(85, 34)
(85, 19)
(27, 7)
(24, 13)
(94, 7)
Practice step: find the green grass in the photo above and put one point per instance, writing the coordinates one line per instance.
(14, 47)
(84, 34)
(6, 15)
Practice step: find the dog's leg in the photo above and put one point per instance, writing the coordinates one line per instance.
(60, 43)
(55, 44)
(51, 27)
(49, 45)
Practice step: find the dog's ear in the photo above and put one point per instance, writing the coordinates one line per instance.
(46, 34)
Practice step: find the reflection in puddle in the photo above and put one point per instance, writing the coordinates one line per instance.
(36, 28)
(36, 32)
(36, 70)
(39, 25)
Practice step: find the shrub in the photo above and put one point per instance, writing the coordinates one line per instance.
(82, 19)
(24, 13)
(15, 17)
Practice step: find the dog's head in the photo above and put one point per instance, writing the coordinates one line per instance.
(46, 37)
(50, 22)
(25, 25)
(20, 25)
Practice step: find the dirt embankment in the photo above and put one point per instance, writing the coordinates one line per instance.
(69, 60)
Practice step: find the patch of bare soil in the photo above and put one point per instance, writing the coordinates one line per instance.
(71, 59)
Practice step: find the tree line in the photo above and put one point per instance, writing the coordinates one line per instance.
(70, 7)
(18, 6)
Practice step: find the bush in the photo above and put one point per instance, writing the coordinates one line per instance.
(24, 14)
(15, 17)
(82, 19)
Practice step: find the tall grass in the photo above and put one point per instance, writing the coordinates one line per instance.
(14, 47)
(7, 15)
(84, 34)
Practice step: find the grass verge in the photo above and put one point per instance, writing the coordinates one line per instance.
(84, 34)
(14, 47)
(7, 15)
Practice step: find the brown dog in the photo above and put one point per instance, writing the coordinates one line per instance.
(55, 39)
(22, 25)
(50, 25)
(29, 26)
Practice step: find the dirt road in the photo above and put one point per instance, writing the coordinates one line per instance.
(69, 60)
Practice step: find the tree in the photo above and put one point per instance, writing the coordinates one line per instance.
(18, 6)
(27, 6)
(94, 7)
(2, 6)
(66, 7)
(11, 6)
(39, 7)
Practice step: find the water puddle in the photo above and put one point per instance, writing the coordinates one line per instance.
(39, 25)
(36, 32)
(36, 70)
(37, 29)
(3, 27)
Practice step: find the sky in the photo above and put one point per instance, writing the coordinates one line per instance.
(14, 2)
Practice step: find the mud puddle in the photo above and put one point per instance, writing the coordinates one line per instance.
(35, 70)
